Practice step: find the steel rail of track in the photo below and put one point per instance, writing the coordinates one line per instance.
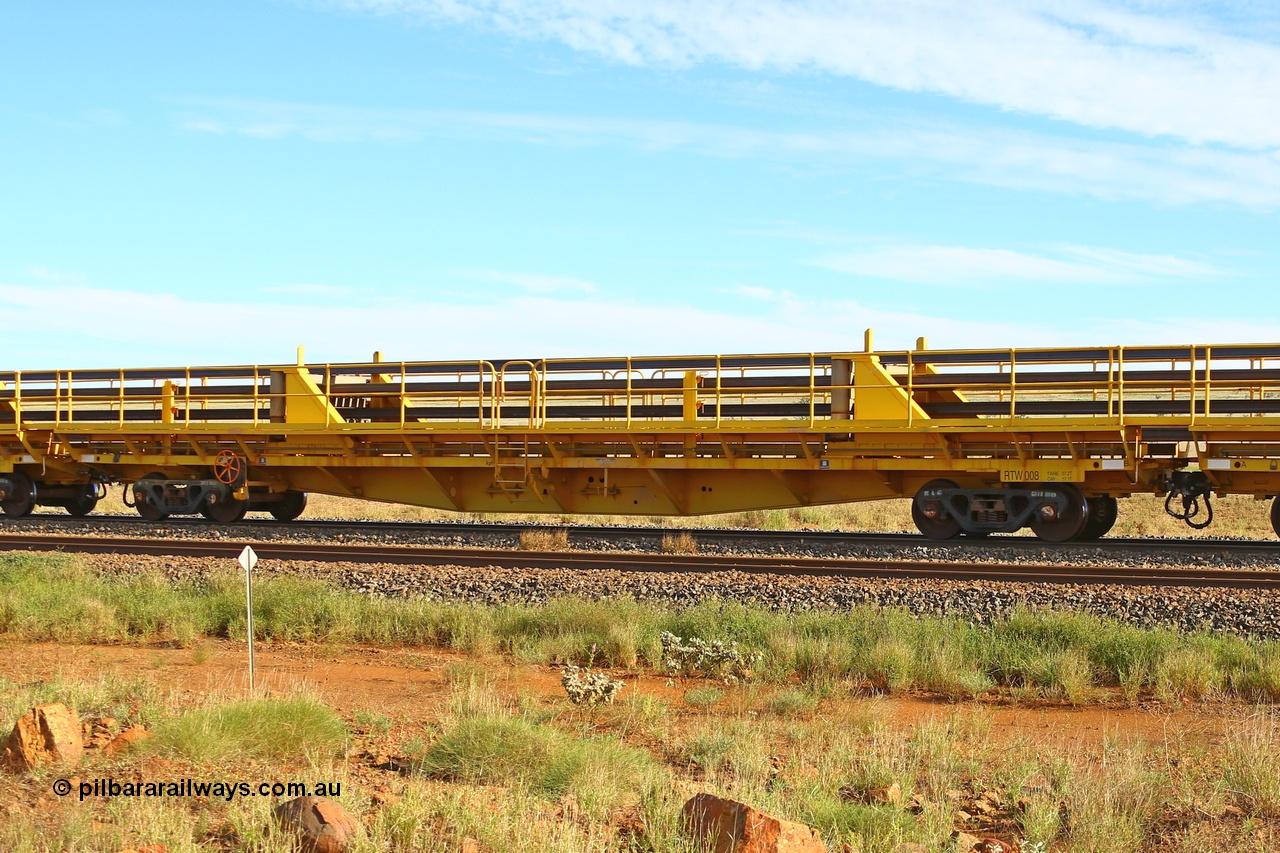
(707, 535)
(691, 564)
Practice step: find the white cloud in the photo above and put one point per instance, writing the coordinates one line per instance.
(524, 327)
(531, 282)
(1149, 70)
(748, 291)
(1175, 174)
(52, 276)
(954, 265)
(317, 291)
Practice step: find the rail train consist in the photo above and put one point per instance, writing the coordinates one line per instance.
(982, 440)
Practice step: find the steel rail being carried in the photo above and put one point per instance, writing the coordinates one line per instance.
(984, 440)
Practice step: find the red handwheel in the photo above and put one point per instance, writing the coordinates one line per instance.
(229, 468)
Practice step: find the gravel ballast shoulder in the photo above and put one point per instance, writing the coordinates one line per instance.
(1253, 613)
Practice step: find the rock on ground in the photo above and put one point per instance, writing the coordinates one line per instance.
(126, 739)
(733, 827)
(322, 825)
(49, 734)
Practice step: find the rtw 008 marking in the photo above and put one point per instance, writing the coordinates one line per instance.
(1039, 475)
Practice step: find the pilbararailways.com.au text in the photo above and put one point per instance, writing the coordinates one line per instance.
(224, 790)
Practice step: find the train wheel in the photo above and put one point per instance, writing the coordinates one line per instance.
(1103, 510)
(289, 507)
(929, 518)
(1064, 526)
(227, 511)
(83, 505)
(23, 500)
(145, 507)
(1275, 514)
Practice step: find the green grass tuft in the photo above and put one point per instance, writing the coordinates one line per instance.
(263, 728)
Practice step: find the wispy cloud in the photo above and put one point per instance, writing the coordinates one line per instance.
(1169, 173)
(1151, 69)
(528, 326)
(318, 291)
(531, 282)
(52, 276)
(955, 265)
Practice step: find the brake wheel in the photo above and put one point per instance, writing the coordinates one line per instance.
(230, 468)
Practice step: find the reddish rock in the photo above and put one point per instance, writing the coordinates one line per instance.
(890, 795)
(963, 842)
(49, 734)
(322, 826)
(733, 827)
(385, 798)
(993, 845)
(126, 739)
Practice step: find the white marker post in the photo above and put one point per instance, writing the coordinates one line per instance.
(248, 559)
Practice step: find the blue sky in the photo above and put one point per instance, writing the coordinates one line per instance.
(217, 183)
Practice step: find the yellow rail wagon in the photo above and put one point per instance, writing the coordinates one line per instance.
(984, 440)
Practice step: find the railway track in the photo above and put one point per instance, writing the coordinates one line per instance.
(579, 534)
(952, 570)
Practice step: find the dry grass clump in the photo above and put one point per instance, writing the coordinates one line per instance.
(544, 539)
(679, 543)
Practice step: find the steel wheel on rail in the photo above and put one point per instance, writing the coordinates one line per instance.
(1275, 514)
(1066, 526)
(224, 511)
(144, 505)
(83, 505)
(930, 516)
(288, 507)
(23, 500)
(1102, 513)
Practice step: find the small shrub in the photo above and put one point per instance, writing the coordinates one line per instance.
(711, 751)
(700, 657)
(1065, 675)
(267, 728)
(788, 703)
(599, 772)
(585, 687)
(888, 665)
(1249, 766)
(679, 543)
(944, 670)
(704, 698)
(379, 724)
(1188, 673)
(1041, 821)
(1259, 682)
(544, 539)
